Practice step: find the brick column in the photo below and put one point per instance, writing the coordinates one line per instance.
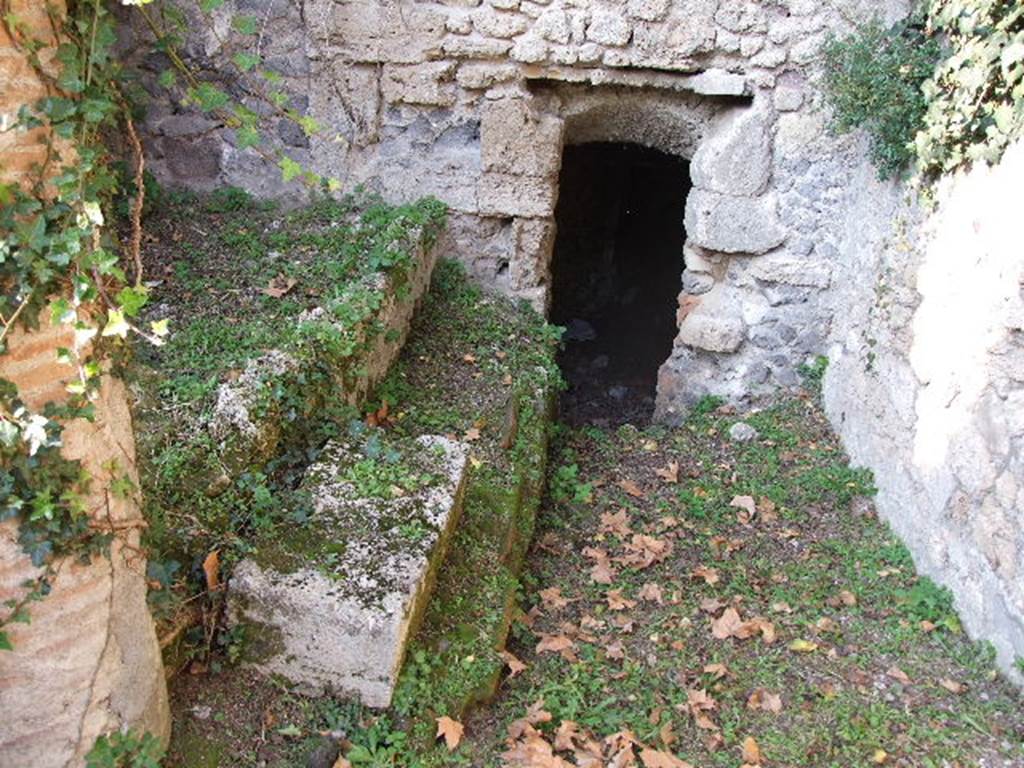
(89, 661)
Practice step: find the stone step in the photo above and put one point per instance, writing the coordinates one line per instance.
(332, 604)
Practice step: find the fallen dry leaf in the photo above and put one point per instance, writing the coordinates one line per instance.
(451, 730)
(618, 602)
(566, 736)
(643, 551)
(554, 644)
(751, 751)
(615, 651)
(726, 625)
(730, 624)
(654, 758)
(632, 489)
(898, 675)
(279, 286)
(747, 507)
(552, 598)
(535, 714)
(712, 605)
(341, 762)
(211, 569)
(669, 473)
(515, 666)
(710, 575)
(762, 698)
(602, 571)
(952, 685)
(651, 592)
(616, 523)
(718, 670)
(766, 510)
(471, 434)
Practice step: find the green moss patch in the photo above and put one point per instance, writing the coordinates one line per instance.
(241, 282)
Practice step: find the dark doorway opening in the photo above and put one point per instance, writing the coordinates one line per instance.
(616, 275)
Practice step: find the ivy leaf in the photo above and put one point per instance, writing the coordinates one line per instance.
(209, 97)
(309, 125)
(132, 300)
(167, 78)
(245, 61)
(248, 136)
(289, 169)
(5, 642)
(209, 6)
(159, 328)
(116, 324)
(245, 25)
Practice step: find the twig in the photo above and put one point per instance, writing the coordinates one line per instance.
(140, 195)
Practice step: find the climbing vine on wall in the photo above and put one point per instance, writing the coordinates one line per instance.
(60, 261)
(942, 90)
(976, 95)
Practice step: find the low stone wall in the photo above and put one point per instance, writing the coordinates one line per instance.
(926, 382)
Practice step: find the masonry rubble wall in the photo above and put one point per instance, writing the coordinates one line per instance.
(88, 663)
(926, 381)
(790, 235)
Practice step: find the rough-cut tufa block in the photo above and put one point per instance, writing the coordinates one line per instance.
(333, 605)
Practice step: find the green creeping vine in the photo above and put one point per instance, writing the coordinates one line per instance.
(944, 89)
(57, 257)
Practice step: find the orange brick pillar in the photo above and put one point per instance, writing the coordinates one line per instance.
(89, 662)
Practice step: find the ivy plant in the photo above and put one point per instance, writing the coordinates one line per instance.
(976, 95)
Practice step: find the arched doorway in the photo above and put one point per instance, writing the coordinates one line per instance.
(616, 273)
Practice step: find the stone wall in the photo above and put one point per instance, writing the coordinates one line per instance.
(88, 663)
(473, 100)
(926, 381)
(794, 247)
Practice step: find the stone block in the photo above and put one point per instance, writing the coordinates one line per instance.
(553, 24)
(535, 241)
(710, 333)
(502, 194)
(787, 99)
(475, 47)
(733, 224)
(647, 10)
(717, 82)
(428, 84)
(477, 75)
(516, 140)
(501, 24)
(335, 602)
(529, 49)
(792, 271)
(736, 156)
(608, 29)
(368, 31)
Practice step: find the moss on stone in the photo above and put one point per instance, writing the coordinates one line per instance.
(454, 662)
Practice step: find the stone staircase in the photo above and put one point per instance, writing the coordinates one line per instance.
(416, 539)
(338, 604)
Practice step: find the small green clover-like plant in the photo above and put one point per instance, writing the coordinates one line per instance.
(125, 750)
(927, 601)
